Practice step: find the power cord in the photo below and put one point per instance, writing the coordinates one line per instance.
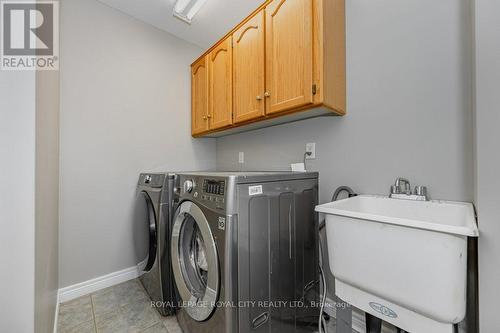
(321, 321)
(307, 153)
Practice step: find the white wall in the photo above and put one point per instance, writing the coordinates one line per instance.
(17, 201)
(487, 31)
(29, 158)
(46, 199)
(409, 106)
(125, 109)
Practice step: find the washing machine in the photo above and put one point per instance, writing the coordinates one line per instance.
(245, 252)
(152, 233)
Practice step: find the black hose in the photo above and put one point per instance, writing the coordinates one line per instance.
(341, 189)
(335, 197)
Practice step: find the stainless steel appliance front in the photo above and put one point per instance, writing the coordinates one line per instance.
(259, 231)
(152, 225)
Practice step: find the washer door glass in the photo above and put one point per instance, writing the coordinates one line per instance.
(192, 253)
(145, 230)
(195, 261)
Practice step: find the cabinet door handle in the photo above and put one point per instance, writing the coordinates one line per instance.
(259, 98)
(209, 116)
(204, 117)
(267, 94)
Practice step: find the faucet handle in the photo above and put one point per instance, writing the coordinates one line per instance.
(395, 189)
(421, 190)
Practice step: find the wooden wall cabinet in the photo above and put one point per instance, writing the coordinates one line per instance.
(199, 96)
(249, 70)
(220, 101)
(289, 46)
(284, 62)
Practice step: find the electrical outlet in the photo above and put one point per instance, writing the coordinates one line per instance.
(311, 150)
(241, 157)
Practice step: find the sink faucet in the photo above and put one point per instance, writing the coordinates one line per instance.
(398, 192)
(406, 182)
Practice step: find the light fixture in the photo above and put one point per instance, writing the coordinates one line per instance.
(187, 9)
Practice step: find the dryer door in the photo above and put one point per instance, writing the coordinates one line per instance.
(195, 261)
(145, 225)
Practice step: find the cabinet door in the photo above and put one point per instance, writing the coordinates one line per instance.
(289, 54)
(199, 96)
(221, 91)
(248, 70)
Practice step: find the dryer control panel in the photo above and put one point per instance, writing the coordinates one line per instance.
(152, 180)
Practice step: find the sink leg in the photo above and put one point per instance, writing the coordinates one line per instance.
(373, 324)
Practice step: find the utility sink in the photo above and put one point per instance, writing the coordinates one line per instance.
(400, 260)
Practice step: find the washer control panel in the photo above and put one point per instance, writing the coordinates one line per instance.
(209, 191)
(216, 187)
(213, 191)
(214, 199)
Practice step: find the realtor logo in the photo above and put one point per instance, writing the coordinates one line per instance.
(29, 35)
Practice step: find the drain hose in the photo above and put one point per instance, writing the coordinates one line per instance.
(335, 196)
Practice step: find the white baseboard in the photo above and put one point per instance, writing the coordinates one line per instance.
(358, 318)
(87, 287)
(56, 315)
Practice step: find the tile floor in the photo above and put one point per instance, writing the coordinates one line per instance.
(124, 308)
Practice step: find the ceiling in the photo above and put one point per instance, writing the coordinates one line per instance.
(213, 21)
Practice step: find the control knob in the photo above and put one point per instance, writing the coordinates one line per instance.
(188, 186)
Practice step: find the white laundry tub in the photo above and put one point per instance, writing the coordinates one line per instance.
(402, 261)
